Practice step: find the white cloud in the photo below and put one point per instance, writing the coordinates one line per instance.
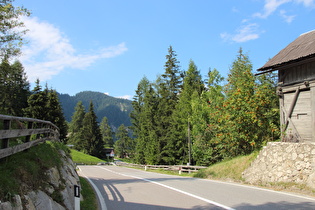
(287, 18)
(271, 6)
(307, 3)
(129, 97)
(49, 51)
(243, 34)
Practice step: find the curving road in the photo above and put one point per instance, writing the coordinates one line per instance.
(126, 188)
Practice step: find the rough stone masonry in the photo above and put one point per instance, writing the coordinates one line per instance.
(283, 162)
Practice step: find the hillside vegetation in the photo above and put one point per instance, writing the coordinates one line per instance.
(25, 171)
(116, 110)
(81, 158)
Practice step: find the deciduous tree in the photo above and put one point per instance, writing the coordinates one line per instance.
(11, 28)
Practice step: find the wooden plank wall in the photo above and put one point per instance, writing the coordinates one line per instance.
(302, 120)
(297, 73)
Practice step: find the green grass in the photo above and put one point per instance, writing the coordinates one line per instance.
(89, 198)
(25, 171)
(229, 169)
(81, 158)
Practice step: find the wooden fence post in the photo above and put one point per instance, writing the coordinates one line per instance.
(29, 126)
(6, 126)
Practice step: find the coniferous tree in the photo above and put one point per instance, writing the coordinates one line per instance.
(225, 121)
(14, 88)
(91, 135)
(137, 117)
(168, 89)
(21, 88)
(124, 144)
(107, 133)
(192, 84)
(55, 114)
(150, 140)
(76, 125)
(37, 103)
(144, 123)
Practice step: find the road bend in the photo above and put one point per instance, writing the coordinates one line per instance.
(125, 188)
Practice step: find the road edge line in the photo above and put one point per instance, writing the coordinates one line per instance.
(99, 195)
(172, 188)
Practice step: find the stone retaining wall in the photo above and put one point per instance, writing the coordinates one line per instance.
(60, 180)
(283, 162)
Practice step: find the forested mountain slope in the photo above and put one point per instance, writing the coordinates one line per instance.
(115, 109)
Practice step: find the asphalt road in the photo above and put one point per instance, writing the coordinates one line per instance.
(125, 188)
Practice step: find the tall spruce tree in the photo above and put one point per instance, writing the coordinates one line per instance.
(107, 133)
(37, 103)
(91, 135)
(124, 145)
(192, 84)
(14, 88)
(76, 125)
(149, 136)
(55, 114)
(137, 120)
(168, 89)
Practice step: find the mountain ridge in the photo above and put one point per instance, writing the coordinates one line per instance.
(116, 110)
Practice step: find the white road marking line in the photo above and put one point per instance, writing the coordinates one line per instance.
(172, 188)
(262, 189)
(99, 195)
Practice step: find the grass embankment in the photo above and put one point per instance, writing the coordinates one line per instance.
(228, 170)
(25, 171)
(81, 158)
(231, 170)
(89, 198)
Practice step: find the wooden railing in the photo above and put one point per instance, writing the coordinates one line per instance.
(180, 168)
(20, 133)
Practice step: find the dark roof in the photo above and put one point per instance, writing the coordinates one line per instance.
(300, 49)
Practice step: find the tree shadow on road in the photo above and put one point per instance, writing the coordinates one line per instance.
(278, 206)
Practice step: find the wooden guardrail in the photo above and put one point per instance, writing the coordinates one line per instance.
(180, 168)
(24, 133)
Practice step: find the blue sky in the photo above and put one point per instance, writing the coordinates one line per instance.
(109, 45)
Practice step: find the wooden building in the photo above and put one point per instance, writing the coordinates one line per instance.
(296, 88)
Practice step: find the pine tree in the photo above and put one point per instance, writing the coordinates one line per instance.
(168, 88)
(192, 84)
(76, 125)
(14, 88)
(149, 136)
(107, 133)
(55, 114)
(124, 145)
(172, 76)
(137, 120)
(21, 88)
(91, 134)
(37, 103)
